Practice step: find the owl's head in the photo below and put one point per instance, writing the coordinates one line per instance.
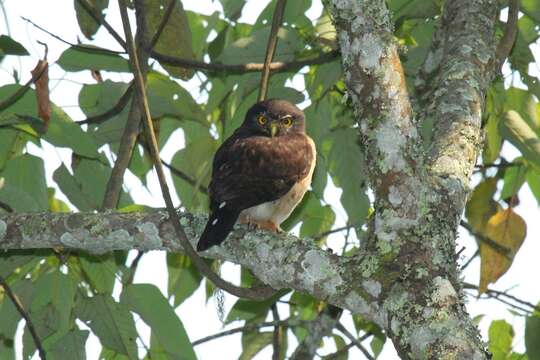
(275, 117)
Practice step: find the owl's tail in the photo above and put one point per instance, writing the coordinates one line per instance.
(219, 225)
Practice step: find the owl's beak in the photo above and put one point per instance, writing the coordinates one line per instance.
(274, 128)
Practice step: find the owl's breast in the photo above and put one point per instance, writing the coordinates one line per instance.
(279, 210)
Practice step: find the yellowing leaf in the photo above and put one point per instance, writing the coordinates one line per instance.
(507, 229)
(481, 206)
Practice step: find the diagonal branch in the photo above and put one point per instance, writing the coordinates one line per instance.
(271, 48)
(115, 110)
(99, 19)
(320, 327)
(261, 293)
(217, 68)
(132, 128)
(20, 308)
(507, 42)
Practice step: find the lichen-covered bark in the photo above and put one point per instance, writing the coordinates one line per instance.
(419, 197)
(279, 260)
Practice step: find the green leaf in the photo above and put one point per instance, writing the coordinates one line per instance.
(514, 177)
(501, 335)
(518, 132)
(253, 48)
(100, 271)
(184, 278)
(9, 314)
(345, 166)
(70, 346)
(175, 39)
(316, 218)
(250, 310)
(195, 161)
(147, 301)
(531, 8)
(110, 322)
(87, 24)
(377, 344)
(232, 8)
(24, 187)
(532, 337)
(414, 9)
(63, 132)
(58, 290)
(86, 187)
(253, 342)
(533, 179)
(56, 205)
(96, 99)
(8, 46)
(87, 57)
(166, 97)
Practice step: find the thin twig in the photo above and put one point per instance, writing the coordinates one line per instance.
(326, 233)
(250, 293)
(501, 249)
(116, 109)
(277, 66)
(162, 24)
(185, 177)
(6, 207)
(496, 294)
(20, 308)
(284, 323)
(100, 19)
(276, 334)
(476, 253)
(76, 46)
(355, 341)
(133, 267)
(509, 36)
(271, 48)
(22, 90)
(338, 354)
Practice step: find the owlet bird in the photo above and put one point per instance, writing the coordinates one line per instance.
(261, 172)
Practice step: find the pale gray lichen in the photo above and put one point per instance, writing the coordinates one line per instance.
(394, 196)
(372, 287)
(371, 49)
(390, 143)
(444, 291)
(319, 271)
(3, 229)
(149, 236)
(69, 240)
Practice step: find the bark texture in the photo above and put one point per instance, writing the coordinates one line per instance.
(420, 196)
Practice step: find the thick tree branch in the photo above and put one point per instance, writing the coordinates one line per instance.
(279, 260)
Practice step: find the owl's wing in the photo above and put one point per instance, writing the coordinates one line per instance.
(254, 170)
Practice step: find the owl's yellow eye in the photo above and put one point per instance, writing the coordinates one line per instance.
(261, 120)
(287, 121)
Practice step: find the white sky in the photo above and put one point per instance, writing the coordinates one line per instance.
(199, 319)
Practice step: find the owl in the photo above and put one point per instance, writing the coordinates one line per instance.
(261, 172)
